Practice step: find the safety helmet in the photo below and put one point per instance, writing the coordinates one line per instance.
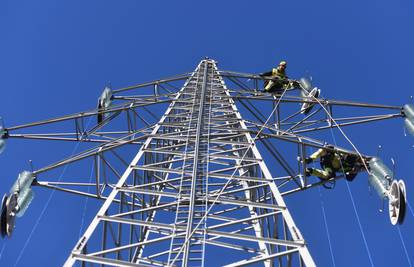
(282, 63)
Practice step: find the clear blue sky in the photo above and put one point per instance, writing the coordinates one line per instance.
(56, 56)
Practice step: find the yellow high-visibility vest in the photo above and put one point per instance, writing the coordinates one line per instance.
(276, 72)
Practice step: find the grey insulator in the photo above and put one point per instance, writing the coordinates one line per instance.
(106, 98)
(2, 145)
(306, 84)
(409, 125)
(409, 111)
(24, 181)
(380, 177)
(1, 125)
(24, 199)
(2, 134)
(104, 102)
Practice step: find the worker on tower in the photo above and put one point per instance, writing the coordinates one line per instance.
(332, 161)
(278, 81)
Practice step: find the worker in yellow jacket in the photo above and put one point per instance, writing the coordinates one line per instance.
(277, 80)
(333, 162)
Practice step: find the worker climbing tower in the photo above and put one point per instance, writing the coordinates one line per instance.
(198, 189)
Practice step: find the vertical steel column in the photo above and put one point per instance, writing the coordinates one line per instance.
(195, 171)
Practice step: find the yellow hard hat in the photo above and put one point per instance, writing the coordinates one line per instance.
(282, 63)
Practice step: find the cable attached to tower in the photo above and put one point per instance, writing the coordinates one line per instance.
(326, 227)
(86, 203)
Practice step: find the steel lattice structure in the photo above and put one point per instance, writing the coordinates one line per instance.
(198, 182)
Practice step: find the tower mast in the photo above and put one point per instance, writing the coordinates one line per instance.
(197, 185)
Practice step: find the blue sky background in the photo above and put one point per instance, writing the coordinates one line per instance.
(56, 56)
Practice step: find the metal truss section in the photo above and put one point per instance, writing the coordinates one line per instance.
(197, 193)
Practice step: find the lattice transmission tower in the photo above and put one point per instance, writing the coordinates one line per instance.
(196, 174)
